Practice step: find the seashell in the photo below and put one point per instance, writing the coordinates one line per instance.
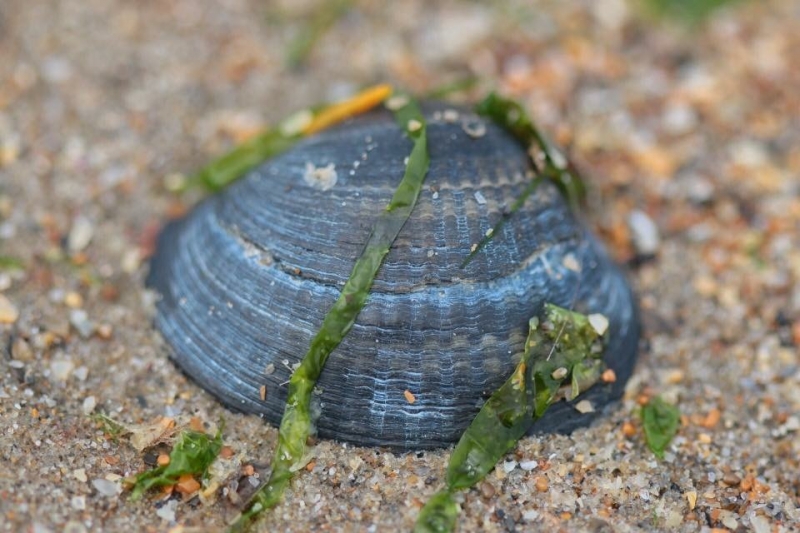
(247, 277)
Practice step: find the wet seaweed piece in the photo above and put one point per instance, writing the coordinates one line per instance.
(511, 116)
(296, 424)
(554, 349)
(661, 422)
(693, 12)
(8, 262)
(228, 168)
(192, 454)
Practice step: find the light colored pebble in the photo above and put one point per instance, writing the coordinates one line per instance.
(89, 403)
(8, 311)
(73, 300)
(81, 373)
(760, 524)
(80, 475)
(73, 526)
(78, 503)
(80, 234)
(131, 260)
(529, 465)
(584, 406)
(645, 235)
(21, 350)
(79, 320)
(729, 520)
(480, 198)
(509, 466)
(107, 488)
(530, 515)
(167, 511)
(61, 369)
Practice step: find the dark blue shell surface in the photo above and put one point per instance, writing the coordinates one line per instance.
(246, 278)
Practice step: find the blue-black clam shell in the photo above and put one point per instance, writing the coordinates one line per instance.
(247, 277)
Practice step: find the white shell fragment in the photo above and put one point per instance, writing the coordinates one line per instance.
(571, 263)
(599, 322)
(396, 102)
(321, 178)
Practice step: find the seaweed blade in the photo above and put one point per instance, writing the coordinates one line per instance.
(297, 419)
(562, 342)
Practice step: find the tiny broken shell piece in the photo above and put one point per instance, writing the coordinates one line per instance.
(599, 322)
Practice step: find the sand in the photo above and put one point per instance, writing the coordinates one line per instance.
(692, 145)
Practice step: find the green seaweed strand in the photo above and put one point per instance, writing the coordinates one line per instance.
(228, 168)
(296, 424)
(511, 116)
(554, 349)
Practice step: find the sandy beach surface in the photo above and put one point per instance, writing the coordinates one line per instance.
(691, 140)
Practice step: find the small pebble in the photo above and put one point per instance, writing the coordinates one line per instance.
(509, 466)
(80, 321)
(609, 376)
(691, 499)
(89, 403)
(167, 511)
(584, 406)
(480, 198)
(80, 475)
(21, 350)
(73, 300)
(61, 369)
(487, 490)
(528, 465)
(760, 524)
(106, 488)
(80, 235)
(8, 312)
(414, 125)
(105, 331)
(81, 373)
(78, 503)
(644, 232)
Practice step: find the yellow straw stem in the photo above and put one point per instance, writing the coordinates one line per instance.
(360, 103)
